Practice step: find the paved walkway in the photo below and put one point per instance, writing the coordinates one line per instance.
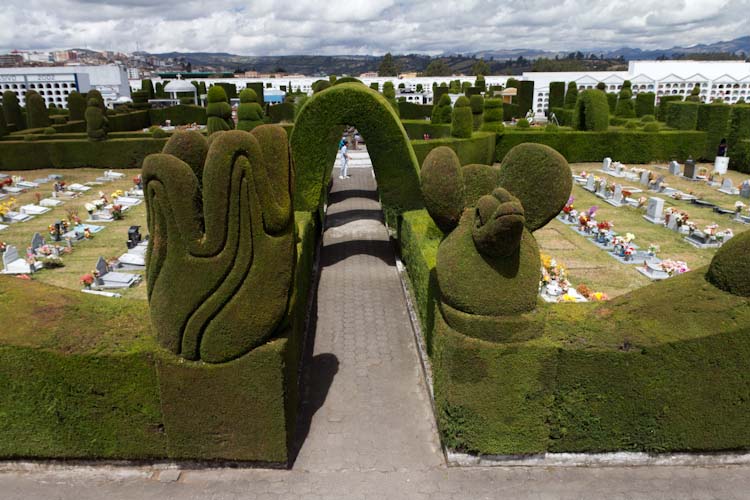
(371, 434)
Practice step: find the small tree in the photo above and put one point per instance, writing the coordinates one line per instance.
(249, 114)
(12, 111)
(420, 88)
(390, 94)
(625, 105)
(556, 94)
(96, 121)
(477, 110)
(492, 120)
(480, 83)
(571, 96)
(462, 121)
(387, 66)
(76, 106)
(219, 111)
(148, 86)
(442, 112)
(37, 114)
(695, 94)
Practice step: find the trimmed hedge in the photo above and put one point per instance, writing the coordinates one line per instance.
(612, 102)
(564, 116)
(128, 122)
(625, 104)
(480, 148)
(413, 111)
(37, 115)
(96, 121)
(442, 186)
(714, 120)
(645, 104)
(664, 101)
(178, 115)
(739, 131)
(556, 94)
(218, 111)
(283, 112)
(477, 110)
(249, 112)
(730, 267)
(492, 120)
(682, 115)
(416, 129)
(462, 121)
(3, 127)
(571, 96)
(627, 146)
(525, 96)
(591, 111)
(12, 109)
(442, 112)
(740, 159)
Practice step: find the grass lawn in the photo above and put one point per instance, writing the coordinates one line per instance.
(110, 242)
(587, 264)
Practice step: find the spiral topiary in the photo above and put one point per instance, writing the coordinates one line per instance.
(442, 185)
(492, 121)
(462, 121)
(96, 121)
(249, 113)
(219, 111)
(730, 268)
(222, 249)
(37, 115)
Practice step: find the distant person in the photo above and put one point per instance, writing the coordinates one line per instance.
(722, 148)
(344, 162)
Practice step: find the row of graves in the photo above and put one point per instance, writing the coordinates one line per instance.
(71, 229)
(555, 287)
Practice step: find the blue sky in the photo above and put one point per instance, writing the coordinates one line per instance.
(275, 27)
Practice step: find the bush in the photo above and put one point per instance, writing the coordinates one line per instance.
(350, 79)
(556, 94)
(682, 115)
(249, 112)
(510, 111)
(480, 148)
(525, 96)
(739, 130)
(648, 118)
(218, 111)
(564, 116)
(159, 133)
(320, 85)
(50, 131)
(96, 121)
(412, 111)
(97, 99)
(645, 104)
(477, 109)
(571, 96)
(714, 120)
(625, 105)
(523, 123)
(37, 115)
(730, 267)
(462, 121)
(281, 113)
(3, 126)
(442, 186)
(651, 127)
(12, 111)
(442, 113)
(30, 137)
(76, 105)
(416, 129)
(664, 101)
(492, 120)
(695, 94)
(591, 111)
(612, 102)
(551, 127)
(390, 94)
(631, 125)
(230, 89)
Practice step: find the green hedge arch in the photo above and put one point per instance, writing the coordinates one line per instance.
(318, 130)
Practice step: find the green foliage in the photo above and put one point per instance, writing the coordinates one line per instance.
(730, 267)
(714, 120)
(556, 94)
(480, 148)
(695, 94)
(740, 159)
(462, 122)
(612, 102)
(625, 104)
(492, 120)
(36, 111)
(477, 110)
(651, 127)
(50, 131)
(96, 122)
(257, 87)
(591, 111)
(148, 87)
(413, 111)
(390, 94)
(159, 133)
(99, 100)
(437, 67)
(3, 126)
(140, 99)
(442, 113)
(348, 79)
(178, 115)
(645, 104)
(416, 129)
(551, 127)
(523, 123)
(218, 111)
(76, 105)
(571, 96)
(223, 315)
(525, 96)
(387, 66)
(664, 101)
(631, 125)
(564, 116)
(375, 86)
(648, 118)
(479, 180)
(318, 130)
(281, 113)
(230, 89)
(442, 186)
(682, 115)
(320, 85)
(249, 112)
(739, 129)
(12, 111)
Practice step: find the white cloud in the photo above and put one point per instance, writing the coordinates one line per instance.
(268, 27)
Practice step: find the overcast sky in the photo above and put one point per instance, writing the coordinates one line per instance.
(276, 27)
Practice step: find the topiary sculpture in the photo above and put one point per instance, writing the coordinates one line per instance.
(571, 96)
(37, 115)
(442, 184)
(96, 96)
(249, 114)
(219, 111)
(625, 105)
(222, 249)
(442, 113)
(12, 111)
(96, 121)
(492, 121)
(730, 268)
(77, 106)
(477, 110)
(462, 121)
(390, 94)
(488, 267)
(591, 111)
(3, 126)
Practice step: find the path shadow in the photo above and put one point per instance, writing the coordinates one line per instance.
(344, 194)
(337, 252)
(340, 218)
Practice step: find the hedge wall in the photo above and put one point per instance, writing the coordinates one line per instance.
(564, 116)
(182, 114)
(740, 157)
(682, 115)
(126, 122)
(739, 130)
(556, 94)
(645, 104)
(480, 148)
(591, 111)
(714, 120)
(664, 104)
(626, 146)
(416, 129)
(412, 111)
(283, 112)
(112, 153)
(525, 96)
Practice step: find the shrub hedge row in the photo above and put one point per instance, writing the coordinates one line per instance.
(412, 111)
(664, 101)
(112, 153)
(556, 94)
(181, 114)
(739, 130)
(645, 103)
(479, 148)
(714, 120)
(682, 115)
(591, 111)
(416, 129)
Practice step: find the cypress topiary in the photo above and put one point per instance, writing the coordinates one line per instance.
(645, 104)
(695, 94)
(730, 268)
(191, 147)
(591, 111)
(492, 120)
(96, 121)
(477, 110)
(442, 183)
(219, 111)
(37, 115)
(625, 106)
(148, 87)
(390, 94)
(249, 113)
(76, 105)
(222, 248)
(664, 101)
(462, 122)
(349, 79)
(556, 94)
(651, 127)
(571, 96)
(739, 125)
(443, 111)
(480, 83)
(12, 110)
(230, 89)
(525, 97)
(612, 102)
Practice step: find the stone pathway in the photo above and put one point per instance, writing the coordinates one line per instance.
(371, 434)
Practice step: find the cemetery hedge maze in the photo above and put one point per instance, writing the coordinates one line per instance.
(214, 374)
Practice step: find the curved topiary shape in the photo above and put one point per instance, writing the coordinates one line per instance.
(249, 113)
(37, 114)
(477, 110)
(389, 92)
(191, 147)
(96, 121)
(443, 187)
(591, 111)
(479, 180)
(730, 268)
(317, 132)
(540, 177)
(462, 121)
(320, 85)
(347, 79)
(221, 256)
(98, 98)
(219, 111)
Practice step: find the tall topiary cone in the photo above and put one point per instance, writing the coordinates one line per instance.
(222, 249)
(730, 267)
(12, 111)
(390, 94)
(443, 111)
(219, 111)
(462, 121)
(442, 185)
(492, 121)
(37, 114)
(249, 114)
(76, 106)
(625, 105)
(477, 110)
(96, 122)
(571, 96)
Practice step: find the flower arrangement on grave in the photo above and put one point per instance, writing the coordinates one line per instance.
(583, 174)
(724, 235)
(87, 280)
(73, 217)
(642, 202)
(117, 212)
(7, 206)
(87, 233)
(52, 262)
(738, 206)
(605, 225)
(711, 229)
(90, 207)
(653, 250)
(6, 182)
(3, 246)
(117, 194)
(568, 206)
(17, 178)
(672, 267)
(626, 193)
(554, 276)
(589, 294)
(681, 216)
(138, 181)
(610, 187)
(38, 197)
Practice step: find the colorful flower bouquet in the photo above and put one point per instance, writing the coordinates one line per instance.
(87, 280)
(672, 267)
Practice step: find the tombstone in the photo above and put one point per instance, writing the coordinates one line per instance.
(674, 168)
(590, 183)
(57, 234)
(655, 211)
(652, 270)
(606, 163)
(602, 192)
(110, 279)
(134, 236)
(645, 177)
(727, 187)
(721, 164)
(672, 223)
(36, 242)
(618, 169)
(745, 189)
(616, 199)
(691, 172)
(14, 264)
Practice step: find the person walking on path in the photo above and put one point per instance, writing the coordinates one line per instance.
(344, 162)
